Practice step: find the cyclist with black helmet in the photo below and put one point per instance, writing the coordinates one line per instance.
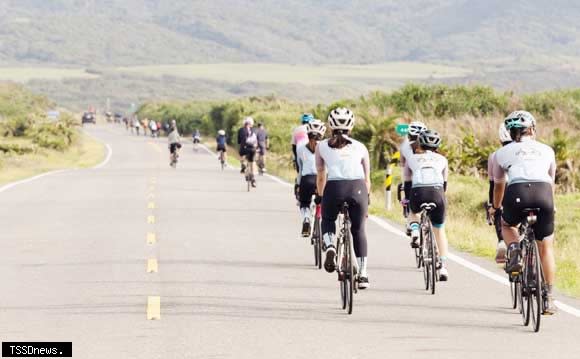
(343, 175)
(406, 150)
(531, 171)
(429, 171)
(305, 159)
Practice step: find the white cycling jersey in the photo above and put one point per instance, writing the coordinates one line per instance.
(348, 163)
(525, 161)
(173, 137)
(306, 161)
(428, 169)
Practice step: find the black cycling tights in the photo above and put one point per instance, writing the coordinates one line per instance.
(307, 190)
(355, 194)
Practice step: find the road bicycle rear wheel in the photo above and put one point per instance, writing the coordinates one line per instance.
(318, 242)
(424, 260)
(341, 263)
(514, 290)
(350, 279)
(315, 243)
(536, 305)
(525, 291)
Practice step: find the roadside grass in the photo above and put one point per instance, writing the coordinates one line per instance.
(83, 153)
(304, 74)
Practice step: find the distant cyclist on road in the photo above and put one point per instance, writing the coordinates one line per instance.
(221, 141)
(174, 140)
(263, 145)
(505, 139)
(196, 136)
(343, 175)
(407, 149)
(429, 171)
(531, 171)
(299, 137)
(243, 134)
(248, 142)
(306, 161)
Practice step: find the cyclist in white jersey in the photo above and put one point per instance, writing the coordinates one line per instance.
(306, 160)
(299, 137)
(406, 149)
(531, 171)
(505, 139)
(429, 171)
(343, 175)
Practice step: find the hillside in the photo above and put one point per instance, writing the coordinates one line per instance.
(132, 32)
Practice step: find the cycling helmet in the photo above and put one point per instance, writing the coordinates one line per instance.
(430, 139)
(504, 134)
(341, 119)
(306, 118)
(520, 119)
(249, 121)
(221, 132)
(173, 123)
(416, 127)
(316, 127)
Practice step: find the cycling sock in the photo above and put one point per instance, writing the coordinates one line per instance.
(328, 239)
(362, 266)
(305, 213)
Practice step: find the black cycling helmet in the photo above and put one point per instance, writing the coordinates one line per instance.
(430, 139)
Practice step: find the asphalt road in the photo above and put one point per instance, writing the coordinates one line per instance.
(233, 279)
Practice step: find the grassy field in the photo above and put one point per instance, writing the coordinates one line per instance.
(25, 74)
(304, 74)
(85, 152)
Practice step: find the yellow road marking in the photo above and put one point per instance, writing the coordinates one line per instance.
(151, 219)
(152, 265)
(151, 196)
(151, 238)
(151, 205)
(153, 308)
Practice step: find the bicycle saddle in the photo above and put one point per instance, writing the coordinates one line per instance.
(531, 214)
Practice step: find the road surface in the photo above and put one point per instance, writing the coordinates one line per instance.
(231, 275)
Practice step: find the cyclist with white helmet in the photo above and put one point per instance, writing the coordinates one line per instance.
(221, 140)
(505, 139)
(343, 175)
(248, 142)
(243, 133)
(531, 171)
(174, 140)
(406, 150)
(429, 171)
(306, 161)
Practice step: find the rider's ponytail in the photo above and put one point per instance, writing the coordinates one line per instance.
(339, 139)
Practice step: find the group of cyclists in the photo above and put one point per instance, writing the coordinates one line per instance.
(336, 170)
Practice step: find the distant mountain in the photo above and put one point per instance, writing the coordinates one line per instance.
(130, 32)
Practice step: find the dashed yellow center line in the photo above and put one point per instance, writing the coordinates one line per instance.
(153, 308)
(151, 196)
(152, 265)
(151, 205)
(151, 219)
(151, 238)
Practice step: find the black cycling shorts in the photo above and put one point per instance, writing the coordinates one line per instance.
(221, 148)
(519, 196)
(174, 146)
(307, 190)
(420, 195)
(196, 140)
(249, 152)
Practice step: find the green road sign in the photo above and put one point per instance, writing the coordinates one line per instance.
(402, 129)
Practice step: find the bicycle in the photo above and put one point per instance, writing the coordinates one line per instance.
(249, 172)
(347, 266)
(173, 159)
(316, 239)
(429, 253)
(530, 291)
(405, 204)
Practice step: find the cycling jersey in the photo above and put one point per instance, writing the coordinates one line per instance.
(299, 135)
(348, 163)
(524, 162)
(221, 140)
(428, 169)
(173, 137)
(406, 151)
(306, 160)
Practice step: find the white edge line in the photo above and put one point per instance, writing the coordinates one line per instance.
(107, 159)
(17, 183)
(228, 166)
(453, 257)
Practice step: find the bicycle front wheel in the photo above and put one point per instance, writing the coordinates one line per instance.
(318, 242)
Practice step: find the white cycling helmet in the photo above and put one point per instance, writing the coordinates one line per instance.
(504, 134)
(341, 119)
(249, 121)
(221, 132)
(520, 119)
(416, 127)
(316, 127)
